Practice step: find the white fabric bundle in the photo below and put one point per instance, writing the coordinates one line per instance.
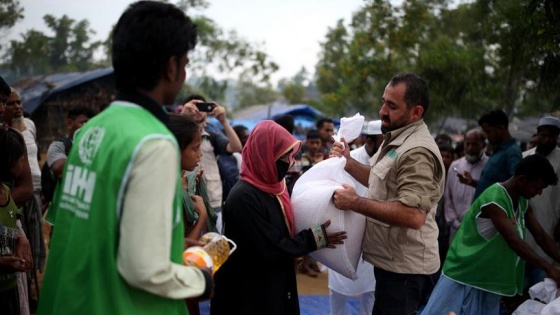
(313, 205)
(544, 300)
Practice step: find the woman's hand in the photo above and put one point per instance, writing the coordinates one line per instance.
(334, 238)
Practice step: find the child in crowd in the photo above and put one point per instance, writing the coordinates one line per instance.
(198, 219)
(15, 253)
(487, 257)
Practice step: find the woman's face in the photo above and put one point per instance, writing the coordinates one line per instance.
(190, 156)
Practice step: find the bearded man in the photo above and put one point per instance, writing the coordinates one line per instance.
(457, 196)
(546, 205)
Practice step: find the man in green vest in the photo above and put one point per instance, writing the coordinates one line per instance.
(118, 241)
(487, 257)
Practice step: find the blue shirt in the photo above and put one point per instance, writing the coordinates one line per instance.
(500, 166)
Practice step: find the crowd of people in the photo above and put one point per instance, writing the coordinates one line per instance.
(448, 227)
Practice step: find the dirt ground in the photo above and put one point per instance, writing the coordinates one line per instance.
(313, 286)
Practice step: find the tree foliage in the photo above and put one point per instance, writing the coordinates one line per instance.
(475, 55)
(219, 53)
(71, 48)
(10, 12)
(247, 93)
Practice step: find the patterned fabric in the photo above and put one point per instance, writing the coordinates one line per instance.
(8, 239)
(33, 227)
(320, 235)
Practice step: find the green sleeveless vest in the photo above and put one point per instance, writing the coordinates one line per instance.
(489, 265)
(81, 275)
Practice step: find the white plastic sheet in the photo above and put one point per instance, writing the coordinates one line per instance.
(545, 291)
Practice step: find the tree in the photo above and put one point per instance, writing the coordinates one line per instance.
(247, 93)
(293, 92)
(475, 56)
(10, 13)
(70, 48)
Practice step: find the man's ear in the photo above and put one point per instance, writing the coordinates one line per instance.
(417, 112)
(171, 69)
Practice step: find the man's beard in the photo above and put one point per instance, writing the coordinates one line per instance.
(473, 158)
(545, 149)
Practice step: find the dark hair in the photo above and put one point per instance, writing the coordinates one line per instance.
(147, 34)
(197, 97)
(443, 138)
(78, 110)
(417, 92)
(459, 147)
(313, 134)
(239, 129)
(494, 118)
(444, 147)
(4, 88)
(183, 128)
(286, 121)
(322, 121)
(13, 148)
(537, 166)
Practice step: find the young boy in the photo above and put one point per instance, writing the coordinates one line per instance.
(487, 257)
(313, 155)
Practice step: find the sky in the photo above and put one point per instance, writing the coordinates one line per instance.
(290, 31)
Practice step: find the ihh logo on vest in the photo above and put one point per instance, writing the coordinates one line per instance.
(89, 144)
(79, 181)
(79, 184)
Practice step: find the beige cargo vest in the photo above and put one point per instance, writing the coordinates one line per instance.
(392, 248)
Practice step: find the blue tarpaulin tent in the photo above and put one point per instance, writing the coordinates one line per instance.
(304, 116)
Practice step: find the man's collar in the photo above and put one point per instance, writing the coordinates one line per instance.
(145, 102)
(503, 145)
(394, 134)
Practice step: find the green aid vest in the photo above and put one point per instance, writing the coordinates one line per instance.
(489, 265)
(81, 275)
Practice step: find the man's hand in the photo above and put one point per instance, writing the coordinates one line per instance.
(345, 198)
(13, 264)
(190, 110)
(219, 112)
(466, 178)
(340, 149)
(23, 251)
(554, 273)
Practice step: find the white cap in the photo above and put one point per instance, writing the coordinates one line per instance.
(549, 121)
(373, 127)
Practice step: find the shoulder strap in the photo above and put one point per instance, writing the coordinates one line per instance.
(67, 141)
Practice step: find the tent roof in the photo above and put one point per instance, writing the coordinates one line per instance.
(35, 91)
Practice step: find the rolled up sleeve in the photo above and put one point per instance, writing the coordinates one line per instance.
(418, 178)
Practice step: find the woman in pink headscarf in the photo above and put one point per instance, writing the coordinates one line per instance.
(260, 276)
